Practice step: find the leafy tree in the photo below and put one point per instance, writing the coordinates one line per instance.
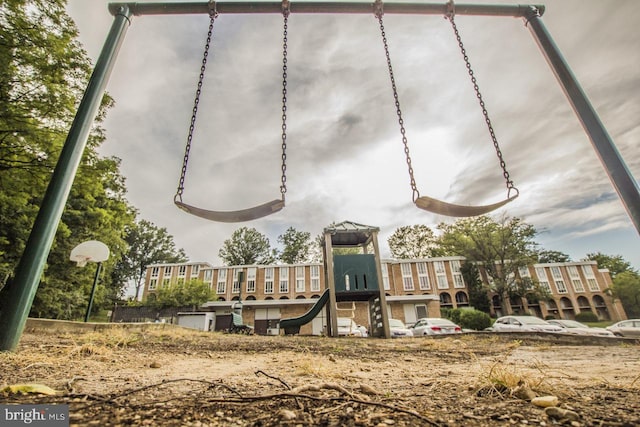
(412, 242)
(297, 246)
(43, 74)
(192, 293)
(614, 263)
(501, 246)
(147, 244)
(626, 287)
(546, 256)
(247, 246)
(478, 296)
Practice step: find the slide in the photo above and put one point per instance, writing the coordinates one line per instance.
(292, 326)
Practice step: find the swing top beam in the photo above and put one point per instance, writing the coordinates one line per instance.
(255, 7)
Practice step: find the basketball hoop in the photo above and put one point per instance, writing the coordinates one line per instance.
(91, 250)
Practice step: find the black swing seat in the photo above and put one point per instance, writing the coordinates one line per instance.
(233, 216)
(451, 209)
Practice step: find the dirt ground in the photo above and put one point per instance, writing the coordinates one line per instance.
(176, 377)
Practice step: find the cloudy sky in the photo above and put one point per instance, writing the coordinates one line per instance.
(345, 158)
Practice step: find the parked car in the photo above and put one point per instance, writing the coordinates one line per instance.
(626, 328)
(398, 329)
(348, 328)
(434, 326)
(523, 324)
(577, 328)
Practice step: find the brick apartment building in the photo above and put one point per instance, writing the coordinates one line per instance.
(413, 288)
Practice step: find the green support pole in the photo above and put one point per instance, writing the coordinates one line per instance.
(623, 182)
(93, 292)
(22, 290)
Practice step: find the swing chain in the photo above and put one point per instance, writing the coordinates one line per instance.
(213, 14)
(285, 14)
(378, 12)
(485, 113)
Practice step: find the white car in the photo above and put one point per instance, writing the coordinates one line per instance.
(577, 328)
(523, 324)
(435, 326)
(626, 328)
(348, 328)
(398, 329)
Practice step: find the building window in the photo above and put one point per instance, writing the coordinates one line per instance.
(166, 282)
(524, 272)
(592, 283)
(315, 278)
(180, 281)
(222, 281)
(182, 270)
(575, 278)
(251, 280)
(407, 278)
(557, 277)
(385, 277)
(268, 280)
(208, 276)
(153, 284)
(441, 275)
(155, 271)
(284, 280)
(300, 284)
(235, 287)
(194, 270)
(167, 270)
(458, 282)
(423, 276)
(542, 278)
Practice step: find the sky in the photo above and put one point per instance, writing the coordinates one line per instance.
(345, 155)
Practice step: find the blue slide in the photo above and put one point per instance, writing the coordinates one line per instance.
(292, 326)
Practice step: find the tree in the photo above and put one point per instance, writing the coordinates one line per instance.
(192, 293)
(247, 246)
(413, 242)
(501, 246)
(614, 263)
(478, 296)
(43, 74)
(297, 246)
(147, 244)
(546, 256)
(626, 287)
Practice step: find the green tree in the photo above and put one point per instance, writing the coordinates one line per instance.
(247, 246)
(626, 287)
(616, 264)
(146, 244)
(413, 242)
(478, 292)
(193, 293)
(296, 246)
(43, 74)
(546, 256)
(501, 246)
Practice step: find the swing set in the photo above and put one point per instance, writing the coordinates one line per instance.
(423, 202)
(20, 294)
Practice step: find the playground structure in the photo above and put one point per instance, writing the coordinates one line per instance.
(20, 295)
(349, 278)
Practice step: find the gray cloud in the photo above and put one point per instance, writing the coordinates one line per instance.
(345, 155)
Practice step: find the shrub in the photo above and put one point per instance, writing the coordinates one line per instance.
(452, 314)
(474, 319)
(586, 316)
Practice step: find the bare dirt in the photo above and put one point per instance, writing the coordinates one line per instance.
(176, 377)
